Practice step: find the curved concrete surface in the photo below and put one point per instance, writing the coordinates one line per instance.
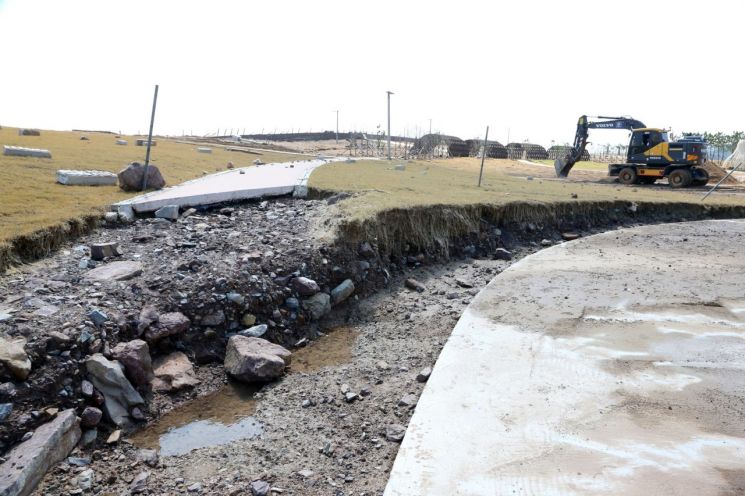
(613, 364)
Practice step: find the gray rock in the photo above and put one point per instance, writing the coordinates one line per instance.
(148, 316)
(546, 242)
(130, 178)
(89, 437)
(168, 324)
(366, 250)
(90, 417)
(99, 251)
(214, 319)
(415, 285)
(304, 286)
(259, 488)
(86, 388)
(5, 410)
(463, 283)
(13, 356)
(255, 331)
(195, 488)
(250, 359)
(236, 298)
(423, 375)
(502, 254)
(318, 305)
(395, 433)
(169, 212)
(135, 356)
(126, 214)
(408, 401)
(111, 217)
(98, 317)
(139, 483)
(85, 479)
(173, 372)
(148, 456)
(115, 271)
(78, 461)
(342, 292)
(119, 395)
(27, 462)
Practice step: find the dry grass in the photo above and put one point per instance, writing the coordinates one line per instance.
(454, 182)
(31, 200)
(581, 165)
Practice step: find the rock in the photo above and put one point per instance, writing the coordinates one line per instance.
(349, 397)
(173, 372)
(130, 178)
(236, 298)
(115, 271)
(502, 254)
(139, 483)
(318, 305)
(423, 375)
(13, 356)
(395, 432)
(546, 242)
(169, 212)
(304, 286)
(342, 292)
(135, 356)
(463, 283)
(85, 479)
(89, 437)
(306, 473)
(569, 236)
(250, 359)
(214, 319)
(366, 250)
(114, 437)
(259, 488)
(148, 456)
(86, 388)
(58, 338)
(78, 461)
(27, 462)
(111, 217)
(255, 331)
(99, 251)
(90, 417)
(126, 214)
(119, 395)
(408, 401)
(383, 365)
(195, 488)
(5, 410)
(414, 285)
(248, 320)
(98, 317)
(168, 324)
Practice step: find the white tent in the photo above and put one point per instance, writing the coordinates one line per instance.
(737, 159)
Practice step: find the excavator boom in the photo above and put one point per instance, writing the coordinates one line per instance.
(565, 164)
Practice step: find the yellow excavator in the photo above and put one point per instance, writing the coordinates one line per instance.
(651, 155)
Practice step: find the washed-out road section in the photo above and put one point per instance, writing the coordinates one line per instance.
(613, 364)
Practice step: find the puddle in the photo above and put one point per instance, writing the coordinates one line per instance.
(335, 348)
(226, 415)
(211, 420)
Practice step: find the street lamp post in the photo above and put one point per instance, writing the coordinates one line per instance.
(389, 123)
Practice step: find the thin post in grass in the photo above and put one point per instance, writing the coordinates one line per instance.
(149, 140)
(483, 155)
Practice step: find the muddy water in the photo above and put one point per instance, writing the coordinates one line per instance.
(226, 415)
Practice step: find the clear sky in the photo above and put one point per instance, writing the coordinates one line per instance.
(530, 66)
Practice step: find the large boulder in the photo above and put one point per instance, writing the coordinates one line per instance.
(173, 372)
(168, 324)
(130, 178)
(13, 357)
(27, 463)
(135, 356)
(342, 291)
(304, 286)
(119, 395)
(251, 359)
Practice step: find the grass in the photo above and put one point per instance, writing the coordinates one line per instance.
(31, 200)
(581, 165)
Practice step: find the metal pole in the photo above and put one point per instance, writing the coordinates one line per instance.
(337, 126)
(149, 140)
(389, 123)
(483, 155)
(721, 181)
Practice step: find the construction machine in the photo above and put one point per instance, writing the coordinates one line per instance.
(651, 155)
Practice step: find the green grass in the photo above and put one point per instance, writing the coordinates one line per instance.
(31, 200)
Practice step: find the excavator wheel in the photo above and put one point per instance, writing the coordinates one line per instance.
(701, 178)
(628, 176)
(680, 178)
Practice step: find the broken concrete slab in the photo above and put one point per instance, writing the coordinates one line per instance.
(27, 462)
(86, 178)
(168, 212)
(230, 185)
(204, 149)
(115, 271)
(19, 151)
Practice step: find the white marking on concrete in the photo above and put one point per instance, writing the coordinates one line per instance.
(540, 391)
(231, 185)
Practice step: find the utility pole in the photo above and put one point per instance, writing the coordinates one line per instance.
(389, 123)
(149, 140)
(337, 126)
(483, 154)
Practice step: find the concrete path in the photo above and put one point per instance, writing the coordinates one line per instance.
(231, 185)
(610, 365)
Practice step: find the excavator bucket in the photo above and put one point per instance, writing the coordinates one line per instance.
(563, 166)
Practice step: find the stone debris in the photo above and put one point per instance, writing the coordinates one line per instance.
(304, 286)
(169, 212)
(19, 151)
(115, 271)
(13, 356)
(342, 291)
(502, 254)
(100, 251)
(119, 395)
(167, 324)
(135, 357)
(86, 178)
(90, 417)
(395, 433)
(423, 375)
(250, 359)
(173, 372)
(139, 483)
(318, 305)
(415, 285)
(26, 463)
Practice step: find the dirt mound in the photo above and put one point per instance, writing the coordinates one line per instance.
(716, 173)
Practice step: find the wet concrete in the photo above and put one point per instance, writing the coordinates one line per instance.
(613, 364)
(226, 415)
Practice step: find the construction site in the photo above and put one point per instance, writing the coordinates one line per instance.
(385, 307)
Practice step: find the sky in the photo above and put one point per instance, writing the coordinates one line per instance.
(527, 69)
